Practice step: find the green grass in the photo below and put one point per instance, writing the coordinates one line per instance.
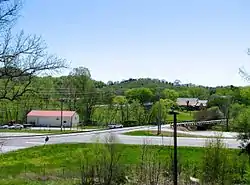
(33, 163)
(91, 127)
(163, 133)
(183, 116)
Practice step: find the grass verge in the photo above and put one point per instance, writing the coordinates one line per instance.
(163, 133)
(154, 133)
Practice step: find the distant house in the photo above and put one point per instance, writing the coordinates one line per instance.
(52, 118)
(191, 102)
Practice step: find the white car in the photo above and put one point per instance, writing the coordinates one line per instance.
(16, 126)
(5, 127)
(112, 126)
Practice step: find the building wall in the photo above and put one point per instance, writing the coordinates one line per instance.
(75, 119)
(53, 121)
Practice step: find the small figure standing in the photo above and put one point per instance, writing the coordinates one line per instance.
(46, 139)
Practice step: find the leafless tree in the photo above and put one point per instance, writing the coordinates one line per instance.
(9, 12)
(22, 57)
(243, 73)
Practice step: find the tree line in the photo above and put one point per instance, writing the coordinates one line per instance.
(136, 101)
(27, 83)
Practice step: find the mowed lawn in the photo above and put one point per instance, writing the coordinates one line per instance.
(183, 116)
(32, 165)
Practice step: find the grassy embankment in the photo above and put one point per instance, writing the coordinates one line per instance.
(58, 164)
(154, 133)
(165, 134)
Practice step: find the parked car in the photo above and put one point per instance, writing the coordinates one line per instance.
(16, 126)
(4, 127)
(112, 126)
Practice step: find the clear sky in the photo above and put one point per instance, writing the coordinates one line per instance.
(195, 41)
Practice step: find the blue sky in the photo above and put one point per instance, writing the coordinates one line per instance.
(202, 42)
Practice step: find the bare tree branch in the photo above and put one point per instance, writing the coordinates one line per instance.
(244, 74)
(9, 12)
(22, 57)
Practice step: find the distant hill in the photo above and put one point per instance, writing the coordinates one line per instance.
(141, 82)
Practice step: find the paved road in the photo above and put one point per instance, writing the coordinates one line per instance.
(101, 136)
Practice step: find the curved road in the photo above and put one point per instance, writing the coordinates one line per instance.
(14, 143)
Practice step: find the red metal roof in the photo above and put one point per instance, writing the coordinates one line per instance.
(50, 113)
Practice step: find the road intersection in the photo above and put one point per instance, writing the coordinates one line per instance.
(15, 143)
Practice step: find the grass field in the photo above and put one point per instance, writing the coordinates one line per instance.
(163, 133)
(32, 165)
(183, 116)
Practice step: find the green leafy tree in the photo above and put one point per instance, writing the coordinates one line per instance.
(212, 113)
(223, 102)
(170, 94)
(121, 100)
(242, 125)
(245, 95)
(236, 109)
(198, 92)
(87, 94)
(137, 113)
(159, 111)
(142, 94)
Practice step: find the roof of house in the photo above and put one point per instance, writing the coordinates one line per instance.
(50, 113)
(192, 102)
(183, 101)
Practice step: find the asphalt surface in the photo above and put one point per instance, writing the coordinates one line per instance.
(12, 143)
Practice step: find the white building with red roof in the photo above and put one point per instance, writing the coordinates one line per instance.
(52, 118)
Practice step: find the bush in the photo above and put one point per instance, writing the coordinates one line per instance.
(212, 113)
(219, 167)
(242, 125)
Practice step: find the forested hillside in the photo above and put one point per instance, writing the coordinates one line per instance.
(122, 101)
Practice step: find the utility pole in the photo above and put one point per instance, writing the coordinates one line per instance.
(159, 115)
(228, 111)
(175, 172)
(62, 100)
(122, 113)
(127, 111)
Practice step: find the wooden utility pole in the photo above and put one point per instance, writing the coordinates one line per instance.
(175, 171)
(61, 100)
(159, 115)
